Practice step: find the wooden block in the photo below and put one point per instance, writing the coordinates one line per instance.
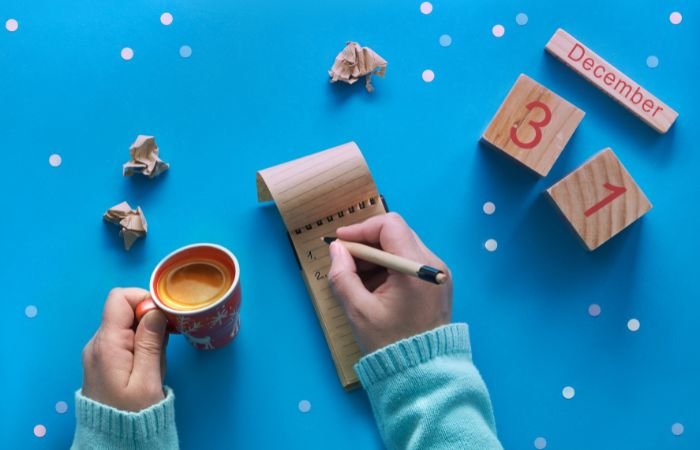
(599, 199)
(611, 81)
(533, 125)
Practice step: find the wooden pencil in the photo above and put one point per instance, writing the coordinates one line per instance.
(391, 261)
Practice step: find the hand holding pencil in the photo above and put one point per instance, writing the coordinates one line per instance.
(385, 306)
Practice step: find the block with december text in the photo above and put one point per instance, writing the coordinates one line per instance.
(533, 125)
(599, 199)
(607, 78)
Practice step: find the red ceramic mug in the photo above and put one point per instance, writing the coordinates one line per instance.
(198, 289)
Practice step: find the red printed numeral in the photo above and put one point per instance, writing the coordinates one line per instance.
(615, 191)
(537, 125)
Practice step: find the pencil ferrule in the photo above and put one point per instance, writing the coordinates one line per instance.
(428, 273)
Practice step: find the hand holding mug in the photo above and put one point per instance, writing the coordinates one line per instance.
(124, 367)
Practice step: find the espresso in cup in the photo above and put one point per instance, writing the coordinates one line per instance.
(198, 288)
(194, 284)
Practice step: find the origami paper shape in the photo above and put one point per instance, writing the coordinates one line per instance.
(132, 222)
(144, 158)
(355, 61)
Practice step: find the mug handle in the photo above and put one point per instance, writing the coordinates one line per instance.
(146, 305)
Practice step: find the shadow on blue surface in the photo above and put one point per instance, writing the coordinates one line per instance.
(609, 114)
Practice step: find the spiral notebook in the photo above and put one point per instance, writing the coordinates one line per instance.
(315, 195)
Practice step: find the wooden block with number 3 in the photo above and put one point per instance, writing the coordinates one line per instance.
(533, 125)
(599, 199)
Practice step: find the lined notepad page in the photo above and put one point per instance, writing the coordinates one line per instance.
(315, 195)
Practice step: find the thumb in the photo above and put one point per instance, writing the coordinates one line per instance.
(344, 281)
(148, 348)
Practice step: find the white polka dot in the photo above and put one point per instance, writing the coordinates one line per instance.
(31, 311)
(166, 18)
(633, 325)
(489, 208)
(594, 310)
(39, 431)
(304, 406)
(61, 407)
(55, 160)
(11, 25)
(445, 40)
(568, 392)
(491, 245)
(540, 443)
(185, 51)
(426, 7)
(127, 54)
(498, 30)
(652, 62)
(677, 429)
(521, 19)
(428, 75)
(675, 17)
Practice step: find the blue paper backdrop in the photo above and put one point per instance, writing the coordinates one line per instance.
(254, 93)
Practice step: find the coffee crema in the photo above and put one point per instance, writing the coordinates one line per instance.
(194, 284)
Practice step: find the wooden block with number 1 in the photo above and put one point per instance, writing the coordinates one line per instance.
(599, 199)
(533, 125)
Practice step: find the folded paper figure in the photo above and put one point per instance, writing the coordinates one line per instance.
(132, 222)
(315, 195)
(356, 61)
(144, 158)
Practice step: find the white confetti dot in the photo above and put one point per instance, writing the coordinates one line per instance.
(491, 245)
(31, 311)
(633, 325)
(498, 30)
(594, 310)
(521, 19)
(55, 160)
(185, 51)
(675, 17)
(11, 25)
(426, 7)
(652, 62)
(39, 431)
(61, 407)
(304, 406)
(166, 18)
(677, 429)
(540, 443)
(127, 54)
(489, 208)
(445, 40)
(568, 392)
(428, 75)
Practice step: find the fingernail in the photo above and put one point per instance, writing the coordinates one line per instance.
(333, 249)
(155, 321)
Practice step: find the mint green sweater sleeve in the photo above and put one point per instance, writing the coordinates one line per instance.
(101, 427)
(427, 394)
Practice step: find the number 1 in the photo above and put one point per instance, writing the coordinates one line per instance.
(615, 191)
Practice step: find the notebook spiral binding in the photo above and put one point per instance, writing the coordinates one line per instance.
(350, 210)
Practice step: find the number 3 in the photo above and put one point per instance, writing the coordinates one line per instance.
(536, 125)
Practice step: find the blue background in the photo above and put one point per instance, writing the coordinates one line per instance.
(254, 94)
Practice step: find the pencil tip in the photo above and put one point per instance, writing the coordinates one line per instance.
(328, 240)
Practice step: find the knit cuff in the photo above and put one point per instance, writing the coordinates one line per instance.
(406, 353)
(124, 425)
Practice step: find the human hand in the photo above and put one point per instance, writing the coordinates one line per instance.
(124, 368)
(385, 306)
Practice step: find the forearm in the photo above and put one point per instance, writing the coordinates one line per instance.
(427, 394)
(100, 427)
